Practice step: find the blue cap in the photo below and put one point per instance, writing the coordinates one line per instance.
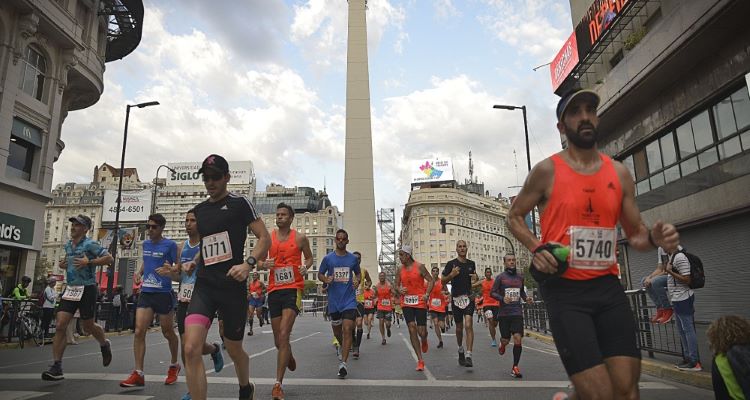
(565, 101)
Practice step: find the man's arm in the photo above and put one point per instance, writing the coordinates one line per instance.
(639, 235)
(258, 227)
(430, 282)
(679, 263)
(497, 292)
(396, 283)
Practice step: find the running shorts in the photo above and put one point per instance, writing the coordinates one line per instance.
(86, 306)
(510, 325)
(386, 315)
(418, 315)
(284, 298)
(228, 300)
(161, 303)
(591, 320)
(182, 307)
(351, 315)
(253, 302)
(439, 315)
(458, 313)
(493, 311)
(360, 310)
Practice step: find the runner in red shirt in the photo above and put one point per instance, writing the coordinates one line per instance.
(437, 303)
(369, 303)
(384, 303)
(490, 305)
(410, 279)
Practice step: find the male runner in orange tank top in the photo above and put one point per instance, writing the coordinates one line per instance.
(285, 284)
(582, 195)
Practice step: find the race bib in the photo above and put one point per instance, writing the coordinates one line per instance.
(73, 293)
(186, 292)
(411, 300)
(216, 248)
(283, 275)
(341, 274)
(461, 301)
(592, 248)
(385, 302)
(488, 314)
(514, 294)
(436, 302)
(254, 295)
(368, 303)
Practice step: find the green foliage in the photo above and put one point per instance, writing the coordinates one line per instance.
(634, 38)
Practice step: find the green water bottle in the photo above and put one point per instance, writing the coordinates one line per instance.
(561, 253)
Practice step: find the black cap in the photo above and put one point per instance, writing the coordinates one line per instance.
(565, 101)
(215, 161)
(81, 219)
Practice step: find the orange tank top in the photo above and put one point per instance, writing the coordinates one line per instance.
(437, 301)
(369, 296)
(287, 260)
(582, 213)
(488, 301)
(385, 297)
(413, 281)
(255, 287)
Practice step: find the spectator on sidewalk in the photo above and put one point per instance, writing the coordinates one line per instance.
(20, 292)
(656, 288)
(683, 303)
(118, 309)
(729, 339)
(48, 307)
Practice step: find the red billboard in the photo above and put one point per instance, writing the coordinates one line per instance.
(564, 62)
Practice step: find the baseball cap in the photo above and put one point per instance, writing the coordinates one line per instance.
(406, 249)
(81, 219)
(565, 101)
(215, 161)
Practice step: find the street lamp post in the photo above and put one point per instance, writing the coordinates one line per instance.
(156, 185)
(116, 236)
(443, 223)
(528, 154)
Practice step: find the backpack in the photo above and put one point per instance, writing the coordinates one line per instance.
(697, 273)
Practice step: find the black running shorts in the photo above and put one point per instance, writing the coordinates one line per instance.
(418, 315)
(439, 315)
(351, 315)
(161, 303)
(228, 299)
(284, 298)
(458, 313)
(182, 307)
(510, 325)
(590, 320)
(86, 306)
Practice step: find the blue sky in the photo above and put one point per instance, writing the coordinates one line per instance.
(264, 80)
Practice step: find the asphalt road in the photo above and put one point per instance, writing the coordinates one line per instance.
(382, 372)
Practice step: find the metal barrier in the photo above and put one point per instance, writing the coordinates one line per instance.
(651, 337)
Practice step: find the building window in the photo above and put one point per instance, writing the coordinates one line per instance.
(33, 72)
(25, 142)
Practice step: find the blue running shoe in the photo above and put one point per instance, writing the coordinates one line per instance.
(187, 396)
(493, 343)
(217, 358)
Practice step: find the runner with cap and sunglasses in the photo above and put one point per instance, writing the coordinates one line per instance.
(82, 256)
(582, 195)
(221, 284)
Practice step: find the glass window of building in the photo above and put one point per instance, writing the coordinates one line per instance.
(33, 72)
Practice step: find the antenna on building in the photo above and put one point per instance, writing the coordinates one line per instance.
(324, 184)
(471, 168)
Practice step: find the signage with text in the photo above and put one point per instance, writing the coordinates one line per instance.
(432, 171)
(186, 173)
(135, 205)
(16, 231)
(564, 62)
(596, 22)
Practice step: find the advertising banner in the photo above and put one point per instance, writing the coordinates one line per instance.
(127, 237)
(432, 171)
(596, 22)
(564, 62)
(134, 207)
(186, 173)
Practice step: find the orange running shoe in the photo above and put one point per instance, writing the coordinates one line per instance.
(277, 393)
(172, 373)
(420, 365)
(135, 379)
(425, 346)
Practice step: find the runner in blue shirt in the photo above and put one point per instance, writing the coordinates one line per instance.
(155, 274)
(340, 270)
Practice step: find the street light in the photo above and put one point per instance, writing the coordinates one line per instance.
(116, 237)
(156, 185)
(443, 223)
(528, 154)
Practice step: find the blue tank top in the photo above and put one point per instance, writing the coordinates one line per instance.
(188, 254)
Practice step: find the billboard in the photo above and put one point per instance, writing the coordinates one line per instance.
(127, 237)
(186, 173)
(564, 62)
(596, 22)
(134, 207)
(432, 171)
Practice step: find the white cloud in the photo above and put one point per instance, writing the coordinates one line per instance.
(444, 9)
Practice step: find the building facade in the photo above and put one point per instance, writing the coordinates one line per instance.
(475, 218)
(675, 109)
(52, 57)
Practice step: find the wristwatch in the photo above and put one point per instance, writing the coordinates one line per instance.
(252, 261)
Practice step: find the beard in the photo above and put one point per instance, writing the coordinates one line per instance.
(579, 139)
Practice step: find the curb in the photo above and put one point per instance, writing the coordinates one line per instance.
(655, 368)
(30, 344)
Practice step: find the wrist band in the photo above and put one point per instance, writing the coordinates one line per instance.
(651, 239)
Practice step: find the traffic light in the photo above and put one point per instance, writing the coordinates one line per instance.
(442, 225)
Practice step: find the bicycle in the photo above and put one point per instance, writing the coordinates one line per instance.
(28, 325)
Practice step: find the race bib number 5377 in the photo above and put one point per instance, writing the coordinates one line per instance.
(592, 247)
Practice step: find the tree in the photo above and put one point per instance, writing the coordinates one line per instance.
(311, 287)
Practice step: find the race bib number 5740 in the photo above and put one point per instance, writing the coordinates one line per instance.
(592, 248)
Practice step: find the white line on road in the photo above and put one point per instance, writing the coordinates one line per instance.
(339, 382)
(20, 395)
(210, 371)
(427, 373)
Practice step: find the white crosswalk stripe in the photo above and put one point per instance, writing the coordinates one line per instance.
(20, 395)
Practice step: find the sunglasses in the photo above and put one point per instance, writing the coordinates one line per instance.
(151, 226)
(212, 177)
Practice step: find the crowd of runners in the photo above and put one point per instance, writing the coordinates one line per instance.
(581, 195)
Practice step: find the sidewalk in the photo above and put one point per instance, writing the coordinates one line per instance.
(659, 369)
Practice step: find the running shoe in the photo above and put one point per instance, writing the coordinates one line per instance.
(560, 396)
(420, 365)
(461, 359)
(250, 332)
(493, 343)
(696, 367)
(440, 345)
(106, 353)
(217, 357)
(135, 379)
(516, 372)
(277, 393)
(383, 342)
(425, 345)
(172, 373)
(469, 363)
(54, 373)
(368, 336)
(187, 396)
(667, 316)
(342, 370)
(247, 392)
(442, 330)
(355, 353)
(501, 349)
(388, 330)
(657, 315)
(292, 365)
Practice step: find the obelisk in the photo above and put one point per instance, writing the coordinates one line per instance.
(359, 191)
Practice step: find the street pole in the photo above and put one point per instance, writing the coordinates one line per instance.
(116, 236)
(528, 153)
(156, 186)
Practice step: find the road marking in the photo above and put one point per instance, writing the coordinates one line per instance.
(210, 371)
(554, 353)
(120, 397)
(340, 382)
(427, 373)
(18, 395)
